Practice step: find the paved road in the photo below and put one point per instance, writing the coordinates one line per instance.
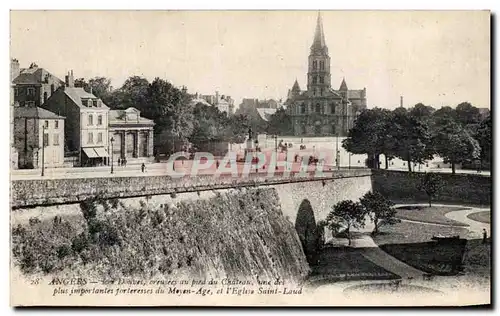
(156, 169)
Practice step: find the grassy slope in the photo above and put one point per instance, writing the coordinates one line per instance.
(434, 214)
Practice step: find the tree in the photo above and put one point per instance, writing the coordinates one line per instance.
(98, 86)
(483, 136)
(422, 112)
(280, 123)
(380, 209)
(455, 144)
(369, 135)
(348, 213)
(133, 93)
(412, 136)
(431, 184)
(467, 114)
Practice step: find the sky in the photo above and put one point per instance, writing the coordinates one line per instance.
(439, 58)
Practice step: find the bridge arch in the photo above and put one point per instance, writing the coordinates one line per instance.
(308, 230)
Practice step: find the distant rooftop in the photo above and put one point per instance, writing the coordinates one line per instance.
(35, 112)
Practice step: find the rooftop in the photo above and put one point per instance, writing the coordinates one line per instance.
(35, 112)
(34, 75)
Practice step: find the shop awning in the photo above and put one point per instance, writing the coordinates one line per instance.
(96, 152)
(90, 152)
(101, 151)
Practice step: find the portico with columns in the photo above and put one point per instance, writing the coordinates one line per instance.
(131, 136)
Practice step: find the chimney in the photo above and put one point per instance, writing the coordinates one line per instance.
(90, 89)
(70, 80)
(14, 69)
(401, 102)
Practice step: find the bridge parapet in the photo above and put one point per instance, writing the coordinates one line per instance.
(31, 193)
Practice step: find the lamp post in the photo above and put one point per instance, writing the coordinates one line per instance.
(112, 140)
(43, 150)
(337, 156)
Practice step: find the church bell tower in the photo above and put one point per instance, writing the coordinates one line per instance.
(318, 75)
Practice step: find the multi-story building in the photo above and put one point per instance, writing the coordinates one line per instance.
(132, 136)
(223, 102)
(32, 86)
(86, 127)
(38, 133)
(321, 110)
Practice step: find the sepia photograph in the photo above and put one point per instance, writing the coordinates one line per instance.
(250, 158)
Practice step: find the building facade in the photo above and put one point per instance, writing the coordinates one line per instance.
(86, 128)
(223, 102)
(131, 135)
(38, 132)
(320, 110)
(33, 86)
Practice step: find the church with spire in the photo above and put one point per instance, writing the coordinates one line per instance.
(320, 110)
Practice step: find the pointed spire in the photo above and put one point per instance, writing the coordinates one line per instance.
(319, 36)
(343, 85)
(296, 86)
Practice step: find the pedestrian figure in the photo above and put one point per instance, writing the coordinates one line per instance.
(485, 236)
(217, 164)
(124, 162)
(143, 167)
(119, 162)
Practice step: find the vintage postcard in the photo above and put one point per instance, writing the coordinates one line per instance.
(250, 158)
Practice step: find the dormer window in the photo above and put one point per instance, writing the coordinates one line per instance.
(31, 91)
(94, 102)
(84, 102)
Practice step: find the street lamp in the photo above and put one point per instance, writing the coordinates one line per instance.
(337, 153)
(43, 149)
(112, 140)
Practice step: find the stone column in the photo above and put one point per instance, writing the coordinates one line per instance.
(150, 143)
(124, 143)
(136, 147)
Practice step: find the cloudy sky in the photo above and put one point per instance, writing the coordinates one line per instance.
(438, 58)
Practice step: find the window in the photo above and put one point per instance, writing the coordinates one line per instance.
(46, 124)
(315, 65)
(99, 120)
(321, 79)
(322, 91)
(99, 138)
(322, 65)
(94, 102)
(16, 92)
(84, 102)
(318, 108)
(30, 104)
(45, 97)
(56, 124)
(315, 80)
(91, 138)
(91, 119)
(31, 91)
(333, 108)
(56, 139)
(302, 108)
(45, 139)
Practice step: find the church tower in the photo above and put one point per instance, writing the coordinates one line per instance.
(318, 75)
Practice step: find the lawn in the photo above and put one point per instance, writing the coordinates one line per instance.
(483, 217)
(343, 263)
(412, 244)
(433, 214)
